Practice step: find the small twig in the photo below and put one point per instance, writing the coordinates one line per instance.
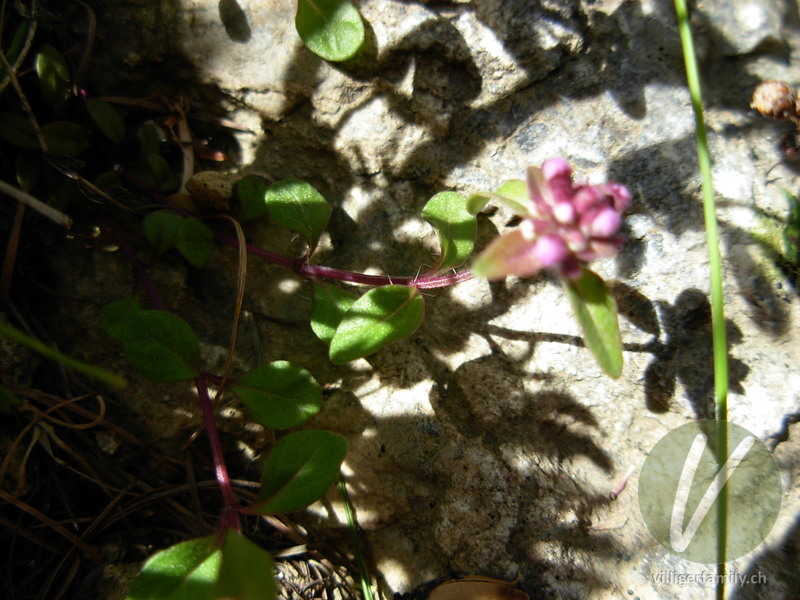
(10, 258)
(194, 494)
(68, 579)
(615, 494)
(88, 550)
(609, 525)
(23, 99)
(237, 311)
(16, 528)
(289, 531)
(290, 552)
(185, 142)
(241, 277)
(94, 525)
(23, 54)
(87, 50)
(3, 6)
(90, 190)
(43, 209)
(39, 416)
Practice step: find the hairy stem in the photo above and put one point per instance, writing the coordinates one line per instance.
(309, 271)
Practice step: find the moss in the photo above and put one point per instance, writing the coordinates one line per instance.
(777, 238)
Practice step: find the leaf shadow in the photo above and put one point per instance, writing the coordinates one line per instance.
(234, 19)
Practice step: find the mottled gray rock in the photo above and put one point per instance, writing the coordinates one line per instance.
(745, 27)
(490, 442)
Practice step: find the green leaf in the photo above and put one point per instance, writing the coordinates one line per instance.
(247, 571)
(108, 181)
(251, 192)
(185, 571)
(53, 74)
(161, 229)
(596, 312)
(515, 190)
(154, 170)
(300, 469)
(296, 205)
(505, 255)
(195, 241)
(113, 315)
(18, 131)
(151, 136)
(512, 194)
(161, 346)
(328, 308)
(279, 395)
(15, 49)
(455, 226)
(107, 119)
(331, 29)
(476, 202)
(65, 138)
(201, 570)
(383, 315)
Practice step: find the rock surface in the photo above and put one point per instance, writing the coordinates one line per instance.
(490, 442)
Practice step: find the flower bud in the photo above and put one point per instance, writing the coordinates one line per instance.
(564, 212)
(558, 175)
(556, 168)
(775, 100)
(605, 223)
(565, 226)
(550, 250)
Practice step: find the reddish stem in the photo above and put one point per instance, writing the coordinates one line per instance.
(141, 273)
(302, 268)
(309, 271)
(230, 516)
(230, 509)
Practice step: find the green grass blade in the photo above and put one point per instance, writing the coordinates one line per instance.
(51, 353)
(363, 576)
(717, 311)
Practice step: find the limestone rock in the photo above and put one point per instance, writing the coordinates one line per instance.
(490, 442)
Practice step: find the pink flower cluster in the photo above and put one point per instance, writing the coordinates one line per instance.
(564, 226)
